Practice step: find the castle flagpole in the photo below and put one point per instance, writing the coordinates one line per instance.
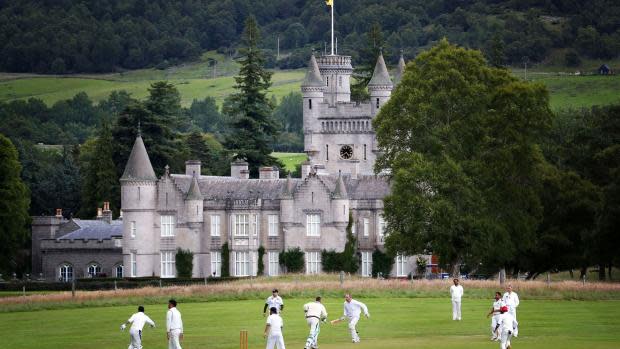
(330, 3)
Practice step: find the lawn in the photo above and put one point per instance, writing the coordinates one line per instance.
(290, 160)
(394, 323)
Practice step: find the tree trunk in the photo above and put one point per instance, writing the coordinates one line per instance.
(609, 271)
(601, 272)
(570, 272)
(502, 276)
(582, 272)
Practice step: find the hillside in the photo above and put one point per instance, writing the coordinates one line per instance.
(71, 36)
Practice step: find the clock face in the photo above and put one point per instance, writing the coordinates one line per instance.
(346, 152)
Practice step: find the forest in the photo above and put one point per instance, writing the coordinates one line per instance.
(77, 36)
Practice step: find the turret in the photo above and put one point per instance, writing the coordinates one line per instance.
(400, 70)
(312, 88)
(286, 201)
(138, 204)
(340, 202)
(380, 86)
(194, 202)
(336, 73)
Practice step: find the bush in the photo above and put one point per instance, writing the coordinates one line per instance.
(292, 260)
(381, 263)
(346, 260)
(225, 260)
(331, 261)
(184, 261)
(571, 59)
(261, 254)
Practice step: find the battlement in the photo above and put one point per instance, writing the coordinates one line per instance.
(334, 62)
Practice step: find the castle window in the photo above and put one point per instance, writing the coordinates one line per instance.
(313, 225)
(377, 103)
(327, 152)
(241, 225)
(167, 226)
(401, 265)
(274, 263)
(366, 263)
(309, 104)
(313, 262)
(132, 229)
(167, 264)
(364, 151)
(133, 264)
(215, 225)
(118, 271)
(366, 227)
(273, 225)
(242, 263)
(382, 227)
(216, 263)
(340, 81)
(65, 273)
(93, 270)
(327, 80)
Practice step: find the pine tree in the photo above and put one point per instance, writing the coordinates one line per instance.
(14, 203)
(253, 125)
(366, 63)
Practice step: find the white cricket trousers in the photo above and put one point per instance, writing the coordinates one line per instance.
(352, 327)
(276, 340)
(504, 341)
(494, 320)
(456, 310)
(315, 329)
(135, 339)
(173, 342)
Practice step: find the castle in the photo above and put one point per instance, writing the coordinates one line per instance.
(202, 213)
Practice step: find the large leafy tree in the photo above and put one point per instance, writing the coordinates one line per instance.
(14, 203)
(460, 139)
(253, 125)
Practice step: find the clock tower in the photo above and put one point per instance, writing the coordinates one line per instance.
(338, 133)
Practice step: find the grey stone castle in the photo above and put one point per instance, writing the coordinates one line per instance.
(202, 213)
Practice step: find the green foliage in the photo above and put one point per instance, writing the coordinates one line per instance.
(571, 59)
(471, 132)
(289, 115)
(261, 266)
(184, 262)
(381, 263)
(366, 60)
(253, 125)
(292, 260)
(14, 204)
(225, 260)
(206, 115)
(209, 151)
(421, 266)
(347, 260)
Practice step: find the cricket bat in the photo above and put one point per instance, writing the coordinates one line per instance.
(333, 322)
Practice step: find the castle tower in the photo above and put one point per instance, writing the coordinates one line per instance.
(336, 73)
(194, 203)
(400, 70)
(312, 89)
(340, 203)
(138, 202)
(379, 87)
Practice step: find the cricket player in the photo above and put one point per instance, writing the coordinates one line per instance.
(273, 330)
(274, 301)
(352, 312)
(507, 326)
(511, 300)
(174, 326)
(495, 313)
(315, 313)
(137, 322)
(456, 291)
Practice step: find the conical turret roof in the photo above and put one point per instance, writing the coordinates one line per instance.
(194, 190)
(380, 77)
(289, 188)
(313, 75)
(139, 166)
(400, 71)
(340, 192)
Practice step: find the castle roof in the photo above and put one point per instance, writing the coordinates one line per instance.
(380, 76)
(93, 230)
(313, 75)
(139, 166)
(194, 190)
(400, 70)
(340, 192)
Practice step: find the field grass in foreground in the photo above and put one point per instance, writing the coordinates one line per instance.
(395, 323)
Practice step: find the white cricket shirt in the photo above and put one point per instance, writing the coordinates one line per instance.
(274, 302)
(456, 292)
(138, 320)
(354, 308)
(511, 300)
(173, 320)
(507, 322)
(315, 309)
(496, 306)
(275, 323)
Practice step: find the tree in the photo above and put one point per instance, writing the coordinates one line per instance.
(293, 260)
(14, 204)
(366, 62)
(460, 139)
(205, 114)
(497, 58)
(184, 262)
(253, 125)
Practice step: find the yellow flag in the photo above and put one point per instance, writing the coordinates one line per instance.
(329, 2)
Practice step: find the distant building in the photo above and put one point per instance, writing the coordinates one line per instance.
(201, 213)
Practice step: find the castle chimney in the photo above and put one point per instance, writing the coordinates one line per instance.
(106, 214)
(193, 167)
(59, 212)
(239, 169)
(99, 212)
(268, 172)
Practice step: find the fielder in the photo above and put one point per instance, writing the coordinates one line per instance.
(174, 326)
(315, 313)
(273, 330)
(456, 292)
(507, 326)
(495, 312)
(352, 311)
(274, 301)
(511, 300)
(137, 322)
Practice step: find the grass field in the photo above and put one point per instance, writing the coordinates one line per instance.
(290, 160)
(395, 323)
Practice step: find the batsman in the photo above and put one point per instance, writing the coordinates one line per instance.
(352, 312)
